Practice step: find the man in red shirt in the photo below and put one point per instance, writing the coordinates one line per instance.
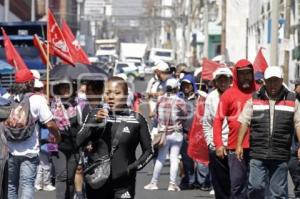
(230, 106)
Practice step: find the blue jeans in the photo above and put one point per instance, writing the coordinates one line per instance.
(203, 174)
(188, 165)
(294, 168)
(21, 172)
(263, 171)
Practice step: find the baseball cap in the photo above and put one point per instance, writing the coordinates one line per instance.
(273, 71)
(23, 75)
(222, 71)
(173, 83)
(37, 76)
(258, 75)
(186, 80)
(161, 66)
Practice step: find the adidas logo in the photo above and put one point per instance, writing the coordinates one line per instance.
(126, 195)
(126, 130)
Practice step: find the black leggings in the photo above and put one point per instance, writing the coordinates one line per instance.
(65, 165)
(108, 192)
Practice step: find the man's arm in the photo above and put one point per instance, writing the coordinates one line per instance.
(53, 129)
(244, 119)
(297, 125)
(218, 125)
(239, 148)
(208, 123)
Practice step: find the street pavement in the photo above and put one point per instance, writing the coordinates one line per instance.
(144, 177)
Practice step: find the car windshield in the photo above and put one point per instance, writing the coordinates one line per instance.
(163, 54)
(119, 66)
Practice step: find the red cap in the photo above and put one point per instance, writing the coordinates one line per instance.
(243, 63)
(23, 75)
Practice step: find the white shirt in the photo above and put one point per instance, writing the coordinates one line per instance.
(211, 106)
(40, 111)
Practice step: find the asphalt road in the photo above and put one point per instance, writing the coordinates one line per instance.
(144, 176)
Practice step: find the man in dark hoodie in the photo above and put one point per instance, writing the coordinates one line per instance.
(199, 176)
(230, 106)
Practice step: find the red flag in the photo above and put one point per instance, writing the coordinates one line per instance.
(208, 67)
(260, 64)
(12, 55)
(57, 42)
(197, 148)
(77, 52)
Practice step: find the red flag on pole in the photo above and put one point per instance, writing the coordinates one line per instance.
(208, 67)
(57, 42)
(260, 64)
(197, 148)
(77, 52)
(12, 55)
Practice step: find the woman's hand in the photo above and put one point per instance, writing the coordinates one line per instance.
(101, 115)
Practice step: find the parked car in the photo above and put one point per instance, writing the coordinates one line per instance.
(138, 62)
(128, 68)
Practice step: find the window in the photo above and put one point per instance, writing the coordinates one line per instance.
(163, 54)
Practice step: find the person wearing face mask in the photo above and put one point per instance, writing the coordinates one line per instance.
(231, 103)
(132, 129)
(66, 111)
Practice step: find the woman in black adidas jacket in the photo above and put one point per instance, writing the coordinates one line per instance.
(134, 132)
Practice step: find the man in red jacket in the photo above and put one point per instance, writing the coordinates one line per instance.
(230, 106)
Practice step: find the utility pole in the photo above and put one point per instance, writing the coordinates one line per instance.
(274, 38)
(205, 53)
(247, 37)
(6, 10)
(287, 40)
(32, 10)
(223, 36)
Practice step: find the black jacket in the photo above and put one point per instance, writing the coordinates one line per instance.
(265, 144)
(124, 162)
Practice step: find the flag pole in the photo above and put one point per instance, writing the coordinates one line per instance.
(48, 61)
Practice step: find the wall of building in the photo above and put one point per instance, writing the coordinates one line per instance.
(236, 28)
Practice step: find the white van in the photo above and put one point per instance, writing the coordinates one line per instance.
(163, 54)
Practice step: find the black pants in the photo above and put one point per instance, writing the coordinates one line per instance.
(109, 192)
(65, 166)
(220, 175)
(294, 169)
(188, 165)
(239, 173)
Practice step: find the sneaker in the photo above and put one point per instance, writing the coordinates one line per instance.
(38, 187)
(173, 187)
(186, 186)
(205, 187)
(212, 192)
(151, 186)
(49, 187)
(78, 195)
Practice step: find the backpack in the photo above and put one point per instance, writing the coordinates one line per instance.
(20, 123)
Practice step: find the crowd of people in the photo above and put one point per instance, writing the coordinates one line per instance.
(250, 127)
